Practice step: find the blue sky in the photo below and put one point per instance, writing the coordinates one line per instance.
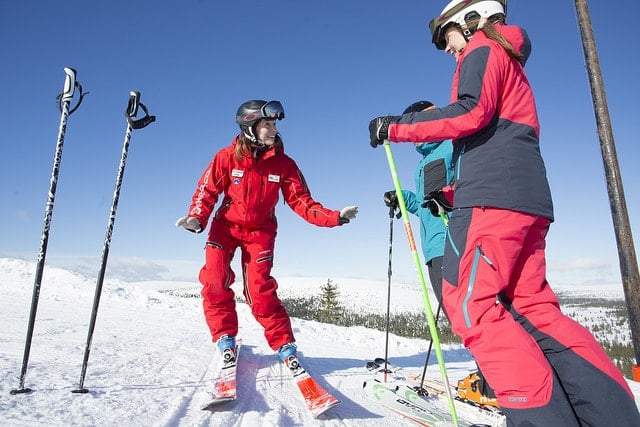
(334, 65)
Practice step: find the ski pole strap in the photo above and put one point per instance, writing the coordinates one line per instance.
(70, 84)
(132, 112)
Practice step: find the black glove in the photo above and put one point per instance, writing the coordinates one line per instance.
(391, 199)
(347, 214)
(379, 129)
(437, 203)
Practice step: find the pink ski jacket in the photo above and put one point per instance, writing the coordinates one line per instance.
(493, 122)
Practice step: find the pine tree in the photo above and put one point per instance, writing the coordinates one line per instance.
(329, 310)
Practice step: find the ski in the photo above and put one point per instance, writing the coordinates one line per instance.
(434, 386)
(435, 390)
(316, 398)
(224, 382)
(408, 403)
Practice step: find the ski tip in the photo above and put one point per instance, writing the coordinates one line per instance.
(23, 390)
(316, 413)
(212, 404)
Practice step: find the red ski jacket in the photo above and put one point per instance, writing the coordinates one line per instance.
(251, 190)
(493, 122)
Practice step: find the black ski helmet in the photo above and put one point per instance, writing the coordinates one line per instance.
(416, 107)
(250, 112)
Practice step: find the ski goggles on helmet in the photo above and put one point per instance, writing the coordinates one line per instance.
(437, 34)
(449, 15)
(272, 110)
(437, 37)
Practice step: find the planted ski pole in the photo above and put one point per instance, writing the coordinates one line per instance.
(420, 389)
(64, 103)
(392, 213)
(132, 123)
(425, 293)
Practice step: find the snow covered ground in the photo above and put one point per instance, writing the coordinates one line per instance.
(151, 355)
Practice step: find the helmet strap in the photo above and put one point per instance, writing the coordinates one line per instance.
(260, 147)
(472, 22)
(467, 33)
(248, 132)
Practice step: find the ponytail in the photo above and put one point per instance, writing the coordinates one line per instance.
(492, 33)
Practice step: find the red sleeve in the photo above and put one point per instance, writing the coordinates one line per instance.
(475, 93)
(210, 185)
(297, 195)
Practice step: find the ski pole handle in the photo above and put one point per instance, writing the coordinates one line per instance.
(69, 84)
(132, 111)
(68, 91)
(134, 102)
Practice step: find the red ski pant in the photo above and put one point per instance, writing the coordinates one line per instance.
(216, 276)
(545, 368)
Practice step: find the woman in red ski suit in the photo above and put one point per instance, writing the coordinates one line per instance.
(250, 174)
(546, 369)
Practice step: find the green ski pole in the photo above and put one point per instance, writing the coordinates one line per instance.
(425, 293)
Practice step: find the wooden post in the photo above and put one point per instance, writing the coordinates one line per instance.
(624, 239)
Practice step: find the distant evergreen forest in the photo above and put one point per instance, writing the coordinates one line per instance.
(606, 319)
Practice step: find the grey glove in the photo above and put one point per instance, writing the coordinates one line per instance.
(189, 223)
(347, 214)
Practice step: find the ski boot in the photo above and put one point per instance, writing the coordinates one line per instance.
(227, 347)
(289, 356)
(473, 389)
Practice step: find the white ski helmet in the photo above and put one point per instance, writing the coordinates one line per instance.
(465, 13)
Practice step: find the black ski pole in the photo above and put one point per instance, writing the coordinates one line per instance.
(420, 389)
(132, 123)
(386, 340)
(64, 103)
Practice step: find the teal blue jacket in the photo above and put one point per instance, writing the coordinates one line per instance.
(432, 229)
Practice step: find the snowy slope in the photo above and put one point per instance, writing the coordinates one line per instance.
(151, 357)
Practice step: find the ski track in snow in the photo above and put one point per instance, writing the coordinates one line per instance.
(151, 359)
